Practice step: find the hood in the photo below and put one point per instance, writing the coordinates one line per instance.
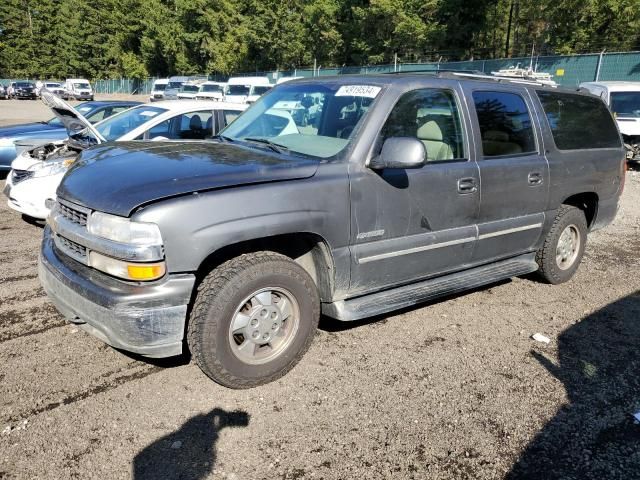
(629, 126)
(69, 116)
(119, 177)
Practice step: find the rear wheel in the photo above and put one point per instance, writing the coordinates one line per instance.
(253, 319)
(562, 251)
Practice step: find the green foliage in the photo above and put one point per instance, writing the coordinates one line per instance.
(138, 38)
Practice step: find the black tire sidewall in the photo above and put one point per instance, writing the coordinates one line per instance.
(215, 332)
(551, 270)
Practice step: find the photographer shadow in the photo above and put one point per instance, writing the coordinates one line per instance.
(190, 451)
(594, 436)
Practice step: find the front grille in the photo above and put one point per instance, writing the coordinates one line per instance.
(18, 176)
(75, 216)
(73, 249)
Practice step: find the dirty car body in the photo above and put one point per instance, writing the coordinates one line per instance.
(402, 189)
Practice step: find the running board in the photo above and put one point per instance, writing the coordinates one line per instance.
(408, 295)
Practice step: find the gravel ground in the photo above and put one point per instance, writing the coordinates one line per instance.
(455, 389)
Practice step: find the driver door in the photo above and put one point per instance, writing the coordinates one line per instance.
(410, 224)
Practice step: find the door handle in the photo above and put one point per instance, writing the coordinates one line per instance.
(535, 178)
(467, 185)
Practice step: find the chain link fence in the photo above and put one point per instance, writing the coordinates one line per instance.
(567, 70)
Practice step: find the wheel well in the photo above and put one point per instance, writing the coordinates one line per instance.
(587, 202)
(308, 250)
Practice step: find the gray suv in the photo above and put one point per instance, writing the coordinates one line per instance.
(396, 190)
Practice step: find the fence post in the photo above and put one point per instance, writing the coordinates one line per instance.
(600, 58)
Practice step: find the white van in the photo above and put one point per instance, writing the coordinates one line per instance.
(157, 91)
(623, 99)
(77, 89)
(211, 91)
(246, 89)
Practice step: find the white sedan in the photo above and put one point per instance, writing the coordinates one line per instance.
(37, 172)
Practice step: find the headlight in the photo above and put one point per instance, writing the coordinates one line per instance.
(49, 169)
(129, 271)
(123, 230)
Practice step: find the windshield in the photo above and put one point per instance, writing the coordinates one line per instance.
(238, 90)
(261, 90)
(159, 87)
(210, 88)
(82, 86)
(51, 85)
(175, 85)
(317, 120)
(23, 85)
(118, 125)
(189, 88)
(626, 104)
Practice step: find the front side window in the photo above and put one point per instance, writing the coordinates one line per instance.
(316, 119)
(579, 121)
(505, 124)
(230, 115)
(431, 115)
(626, 104)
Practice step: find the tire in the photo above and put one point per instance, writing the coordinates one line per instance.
(228, 296)
(562, 251)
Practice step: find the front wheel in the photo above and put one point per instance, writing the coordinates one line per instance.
(562, 251)
(253, 319)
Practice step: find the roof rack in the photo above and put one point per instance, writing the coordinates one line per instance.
(484, 76)
(437, 71)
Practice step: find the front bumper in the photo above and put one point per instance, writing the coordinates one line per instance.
(148, 319)
(29, 197)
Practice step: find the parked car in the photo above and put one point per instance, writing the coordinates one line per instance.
(188, 91)
(4, 95)
(15, 138)
(22, 90)
(211, 91)
(243, 89)
(157, 91)
(77, 89)
(623, 99)
(407, 188)
(36, 173)
(173, 87)
(54, 87)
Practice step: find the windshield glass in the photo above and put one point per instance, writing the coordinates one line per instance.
(238, 90)
(23, 85)
(118, 125)
(317, 120)
(261, 90)
(210, 88)
(82, 86)
(626, 104)
(159, 87)
(175, 84)
(51, 85)
(189, 88)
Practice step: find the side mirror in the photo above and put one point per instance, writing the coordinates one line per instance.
(400, 152)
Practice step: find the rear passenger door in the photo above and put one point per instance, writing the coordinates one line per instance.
(514, 175)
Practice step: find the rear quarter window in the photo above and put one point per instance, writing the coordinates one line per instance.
(578, 121)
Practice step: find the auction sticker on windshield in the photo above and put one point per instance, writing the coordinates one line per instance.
(368, 91)
(148, 113)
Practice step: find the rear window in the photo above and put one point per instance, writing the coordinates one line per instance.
(578, 121)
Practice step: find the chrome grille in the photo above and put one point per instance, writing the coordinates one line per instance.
(70, 213)
(19, 175)
(73, 249)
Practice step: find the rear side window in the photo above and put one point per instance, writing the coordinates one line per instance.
(505, 124)
(578, 121)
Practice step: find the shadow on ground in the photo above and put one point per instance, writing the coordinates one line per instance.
(190, 451)
(594, 436)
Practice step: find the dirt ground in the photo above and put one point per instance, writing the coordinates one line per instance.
(455, 389)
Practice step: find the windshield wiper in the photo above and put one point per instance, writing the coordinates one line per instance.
(273, 146)
(224, 138)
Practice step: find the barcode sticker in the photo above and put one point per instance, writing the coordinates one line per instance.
(368, 91)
